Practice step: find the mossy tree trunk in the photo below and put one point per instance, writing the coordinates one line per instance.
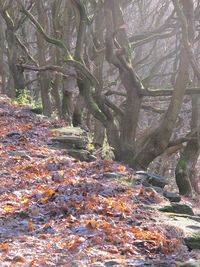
(43, 77)
(68, 84)
(98, 56)
(16, 71)
(186, 176)
(57, 83)
(2, 51)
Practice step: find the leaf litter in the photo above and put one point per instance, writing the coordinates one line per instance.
(55, 211)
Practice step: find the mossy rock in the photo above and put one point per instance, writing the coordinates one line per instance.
(193, 242)
(69, 142)
(70, 138)
(154, 189)
(178, 208)
(70, 131)
(37, 110)
(152, 179)
(172, 197)
(82, 155)
(113, 175)
(189, 264)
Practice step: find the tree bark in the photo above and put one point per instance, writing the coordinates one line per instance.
(43, 77)
(186, 177)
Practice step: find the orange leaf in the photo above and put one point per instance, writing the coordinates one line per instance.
(92, 223)
(98, 240)
(19, 259)
(50, 192)
(45, 199)
(122, 168)
(8, 208)
(142, 191)
(17, 158)
(75, 243)
(30, 225)
(25, 201)
(4, 246)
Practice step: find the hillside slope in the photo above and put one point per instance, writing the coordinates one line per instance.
(56, 211)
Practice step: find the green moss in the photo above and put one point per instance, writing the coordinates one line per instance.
(126, 182)
(178, 208)
(182, 165)
(193, 242)
(196, 236)
(24, 97)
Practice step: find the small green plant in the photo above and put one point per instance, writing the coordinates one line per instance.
(107, 151)
(24, 97)
(90, 146)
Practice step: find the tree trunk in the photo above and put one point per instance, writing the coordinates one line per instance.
(99, 134)
(15, 70)
(2, 51)
(67, 101)
(43, 77)
(78, 111)
(186, 177)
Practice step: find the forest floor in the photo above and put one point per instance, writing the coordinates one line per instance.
(56, 211)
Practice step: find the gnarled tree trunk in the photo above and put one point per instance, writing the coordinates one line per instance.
(186, 176)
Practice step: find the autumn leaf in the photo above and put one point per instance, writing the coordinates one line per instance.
(76, 242)
(4, 246)
(25, 201)
(8, 208)
(121, 168)
(30, 226)
(18, 259)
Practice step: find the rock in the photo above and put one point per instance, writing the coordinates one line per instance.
(82, 155)
(142, 174)
(77, 263)
(154, 189)
(193, 242)
(177, 208)
(14, 135)
(113, 175)
(57, 177)
(41, 156)
(69, 138)
(69, 142)
(98, 264)
(21, 154)
(152, 179)
(109, 192)
(75, 141)
(173, 197)
(112, 262)
(190, 263)
(91, 158)
(70, 131)
(37, 110)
